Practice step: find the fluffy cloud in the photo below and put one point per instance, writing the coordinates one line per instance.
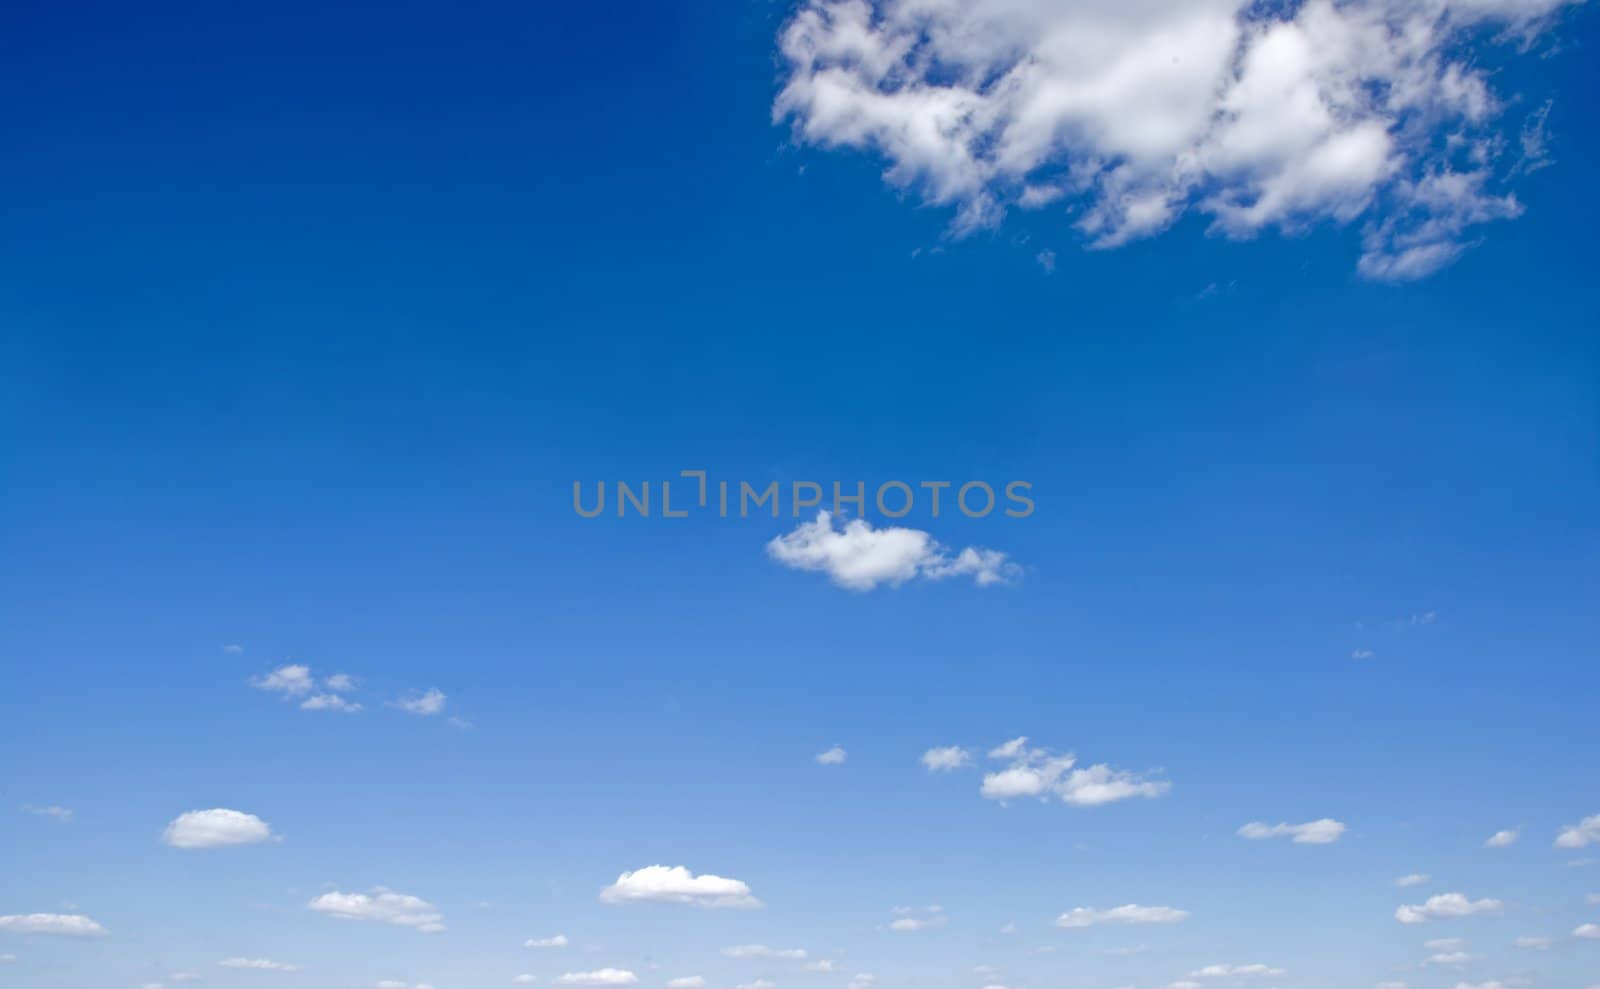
(1415, 879)
(946, 759)
(1258, 116)
(291, 680)
(1037, 772)
(218, 827)
(599, 977)
(62, 924)
(525, 979)
(1130, 913)
(381, 905)
(1320, 832)
(329, 702)
(1501, 839)
(833, 757)
(1586, 832)
(1589, 932)
(429, 702)
(859, 557)
(687, 982)
(559, 941)
(1445, 905)
(762, 951)
(256, 964)
(676, 884)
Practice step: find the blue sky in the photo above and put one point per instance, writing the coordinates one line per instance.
(311, 319)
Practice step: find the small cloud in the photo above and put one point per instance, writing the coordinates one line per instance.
(599, 977)
(676, 884)
(218, 827)
(946, 759)
(290, 680)
(233, 650)
(1325, 831)
(1448, 958)
(858, 557)
(1363, 654)
(56, 924)
(382, 905)
(833, 757)
(910, 919)
(257, 964)
(1501, 839)
(1534, 943)
(1130, 913)
(687, 982)
(559, 941)
(1047, 260)
(340, 683)
(1445, 905)
(525, 979)
(1228, 971)
(1415, 879)
(428, 703)
(1589, 932)
(762, 951)
(329, 702)
(61, 814)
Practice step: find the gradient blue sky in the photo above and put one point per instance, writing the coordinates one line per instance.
(310, 317)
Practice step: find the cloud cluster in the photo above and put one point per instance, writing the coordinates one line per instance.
(383, 905)
(859, 557)
(676, 884)
(1258, 116)
(218, 827)
(294, 680)
(1039, 772)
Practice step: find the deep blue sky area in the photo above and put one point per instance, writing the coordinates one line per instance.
(311, 315)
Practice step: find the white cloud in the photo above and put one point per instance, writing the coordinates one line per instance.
(599, 977)
(257, 964)
(340, 683)
(1501, 839)
(862, 980)
(1258, 116)
(62, 924)
(8, 958)
(1443, 944)
(559, 941)
(762, 951)
(757, 984)
(859, 557)
(62, 814)
(1534, 943)
(525, 979)
(910, 919)
(833, 757)
(1362, 654)
(233, 650)
(1448, 958)
(329, 702)
(291, 680)
(1130, 913)
(687, 982)
(1225, 971)
(1044, 774)
(946, 759)
(1586, 832)
(1415, 879)
(1320, 832)
(429, 702)
(1445, 905)
(386, 906)
(218, 827)
(676, 884)
(1590, 932)
(1481, 985)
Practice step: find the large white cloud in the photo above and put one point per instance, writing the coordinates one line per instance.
(1130, 913)
(1586, 832)
(386, 906)
(1038, 772)
(860, 557)
(1445, 906)
(218, 827)
(62, 924)
(1133, 112)
(1324, 831)
(676, 884)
